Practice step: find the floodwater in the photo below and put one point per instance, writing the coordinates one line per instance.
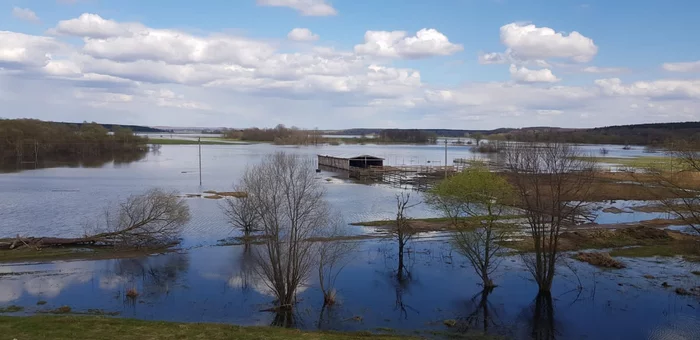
(209, 283)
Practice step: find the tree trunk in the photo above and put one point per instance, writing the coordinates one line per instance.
(399, 273)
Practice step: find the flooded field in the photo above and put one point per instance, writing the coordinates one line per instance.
(209, 283)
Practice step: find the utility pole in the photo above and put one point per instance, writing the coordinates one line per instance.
(199, 142)
(445, 157)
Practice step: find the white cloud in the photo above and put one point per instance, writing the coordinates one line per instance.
(94, 26)
(596, 69)
(658, 89)
(493, 58)
(525, 75)
(19, 50)
(180, 78)
(302, 34)
(529, 42)
(305, 7)
(396, 44)
(693, 66)
(25, 14)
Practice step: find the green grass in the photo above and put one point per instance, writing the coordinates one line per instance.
(642, 162)
(380, 223)
(95, 327)
(663, 250)
(11, 309)
(86, 253)
(168, 141)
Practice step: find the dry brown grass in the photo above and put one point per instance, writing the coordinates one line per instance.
(600, 260)
(672, 241)
(607, 186)
(132, 293)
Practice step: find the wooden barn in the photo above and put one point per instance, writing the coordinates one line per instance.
(348, 163)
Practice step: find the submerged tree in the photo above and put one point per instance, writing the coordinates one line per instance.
(333, 256)
(152, 219)
(241, 215)
(475, 201)
(402, 229)
(552, 182)
(290, 206)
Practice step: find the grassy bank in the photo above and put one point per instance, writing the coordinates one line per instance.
(74, 253)
(168, 141)
(431, 224)
(642, 162)
(638, 241)
(90, 327)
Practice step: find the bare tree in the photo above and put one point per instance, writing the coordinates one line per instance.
(674, 182)
(402, 229)
(552, 182)
(333, 256)
(475, 202)
(290, 206)
(241, 215)
(152, 219)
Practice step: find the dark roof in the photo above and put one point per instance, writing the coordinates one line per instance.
(354, 157)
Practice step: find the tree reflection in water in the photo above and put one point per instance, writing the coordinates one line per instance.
(543, 326)
(157, 274)
(483, 315)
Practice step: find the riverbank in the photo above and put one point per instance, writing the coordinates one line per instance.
(75, 253)
(93, 327)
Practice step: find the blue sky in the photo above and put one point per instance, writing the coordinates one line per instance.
(351, 63)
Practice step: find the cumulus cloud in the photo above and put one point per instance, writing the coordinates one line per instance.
(302, 34)
(693, 66)
(658, 89)
(94, 26)
(305, 7)
(182, 78)
(493, 58)
(596, 69)
(25, 14)
(18, 50)
(529, 42)
(525, 75)
(396, 44)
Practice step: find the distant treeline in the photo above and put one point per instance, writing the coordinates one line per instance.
(283, 135)
(641, 134)
(279, 135)
(406, 136)
(437, 132)
(114, 127)
(30, 139)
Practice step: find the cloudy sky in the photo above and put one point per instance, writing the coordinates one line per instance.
(468, 64)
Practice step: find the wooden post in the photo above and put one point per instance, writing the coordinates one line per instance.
(445, 157)
(199, 142)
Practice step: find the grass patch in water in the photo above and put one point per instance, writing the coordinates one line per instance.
(689, 251)
(643, 162)
(438, 221)
(74, 253)
(600, 259)
(95, 327)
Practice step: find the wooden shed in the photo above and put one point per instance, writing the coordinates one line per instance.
(347, 163)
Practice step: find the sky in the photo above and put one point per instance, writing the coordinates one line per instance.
(334, 64)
